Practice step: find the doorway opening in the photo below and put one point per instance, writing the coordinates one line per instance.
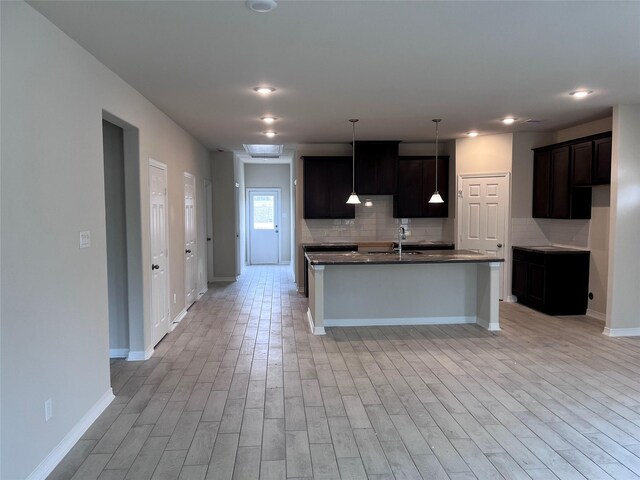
(123, 238)
(263, 219)
(208, 223)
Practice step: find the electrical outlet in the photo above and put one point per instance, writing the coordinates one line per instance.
(48, 410)
(175, 298)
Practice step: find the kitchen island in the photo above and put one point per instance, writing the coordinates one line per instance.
(412, 288)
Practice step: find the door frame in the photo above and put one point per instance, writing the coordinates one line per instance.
(506, 270)
(163, 167)
(278, 214)
(186, 175)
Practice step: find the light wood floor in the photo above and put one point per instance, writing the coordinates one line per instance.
(242, 390)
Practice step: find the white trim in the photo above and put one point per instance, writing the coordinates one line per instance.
(136, 356)
(118, 352)
(597, 315)
(491, 326)
(621, 332)
(205, 289)
(300, 289)
(359, 322)
(178, 319)
(224, 279)
(59, 451)
(315, 330)
(510, 299)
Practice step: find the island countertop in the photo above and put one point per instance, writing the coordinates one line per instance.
(411, 257)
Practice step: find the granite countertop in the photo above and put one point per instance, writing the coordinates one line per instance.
(551, 249)
(382, 258)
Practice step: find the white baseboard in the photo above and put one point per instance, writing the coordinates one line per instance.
(597, 315)
(118, 352)
(315, 330)
(178, 319)
(510, 299)
(138, 355)
(622, 332)
(359, 322)
(204, 289)
(224, 279)
(491, 326)
(58, 453)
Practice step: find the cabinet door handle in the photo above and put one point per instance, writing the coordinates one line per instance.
(499, 245)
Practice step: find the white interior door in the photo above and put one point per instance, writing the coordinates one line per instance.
(159, 251)
(482, 215)
(208, 193)
(190, 258)
(264, 236)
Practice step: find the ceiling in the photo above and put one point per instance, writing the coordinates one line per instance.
(395, 65)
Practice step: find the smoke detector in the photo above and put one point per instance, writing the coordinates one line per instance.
(261, 6)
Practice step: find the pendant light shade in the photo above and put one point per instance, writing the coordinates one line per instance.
(353, 198)
(436, 197)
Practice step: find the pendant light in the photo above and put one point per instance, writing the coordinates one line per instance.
(436, 197)
(353, 198)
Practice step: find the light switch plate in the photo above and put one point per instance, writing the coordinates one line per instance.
(85, 239)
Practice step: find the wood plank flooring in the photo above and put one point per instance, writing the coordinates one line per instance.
(242, 390)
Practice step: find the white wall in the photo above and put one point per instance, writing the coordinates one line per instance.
(624, 262)
(258, 175)
(54, 307)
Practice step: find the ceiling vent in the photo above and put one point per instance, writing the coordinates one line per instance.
(263, 151)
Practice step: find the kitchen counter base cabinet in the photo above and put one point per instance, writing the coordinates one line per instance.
(403, 294)
(552, 282)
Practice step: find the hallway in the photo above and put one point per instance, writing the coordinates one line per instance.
(241, 390)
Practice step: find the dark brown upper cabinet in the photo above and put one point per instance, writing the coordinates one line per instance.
(553, 194)
(376, 167)
(602, 161)
(591, 161)
(327, 185)
(416, 184)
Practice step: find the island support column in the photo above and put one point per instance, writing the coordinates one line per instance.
(488, 287)
(315, 312)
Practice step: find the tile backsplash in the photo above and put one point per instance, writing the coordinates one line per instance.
(542, 231)
(376, 223)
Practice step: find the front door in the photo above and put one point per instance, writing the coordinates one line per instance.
(159, 251)
(264, 236)
(190, 259)
(482, 215)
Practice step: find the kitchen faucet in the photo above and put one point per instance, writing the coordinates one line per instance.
(401, 236)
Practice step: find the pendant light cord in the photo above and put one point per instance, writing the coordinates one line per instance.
(437, 122)
(353, 155)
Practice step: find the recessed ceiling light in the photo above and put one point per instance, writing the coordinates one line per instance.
(264, 90)
(472, 134)
(270, 134)
(261, 6)
(268, 119)
(581, 93)
(508, 120)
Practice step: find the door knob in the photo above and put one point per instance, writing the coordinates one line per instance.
(188, 251)
(155, 267)
(499, 245)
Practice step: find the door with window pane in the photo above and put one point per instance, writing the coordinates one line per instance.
(264, 236)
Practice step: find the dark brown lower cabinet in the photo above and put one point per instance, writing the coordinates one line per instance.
(555, 282)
